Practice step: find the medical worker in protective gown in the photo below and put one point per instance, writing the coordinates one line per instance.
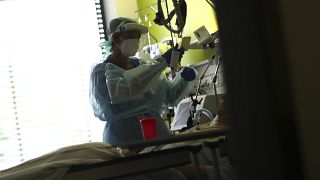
(124, 88)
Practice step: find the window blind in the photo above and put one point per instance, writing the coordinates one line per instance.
(47, 49)
(101, 22)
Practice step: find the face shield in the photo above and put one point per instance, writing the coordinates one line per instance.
(148, 51)
(144, 50)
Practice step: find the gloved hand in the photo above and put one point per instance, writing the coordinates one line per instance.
(167, 55)
(188, 74)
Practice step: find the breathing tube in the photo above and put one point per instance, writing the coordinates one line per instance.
(180, 9)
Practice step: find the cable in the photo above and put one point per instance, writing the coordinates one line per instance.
(172, 43)
(180, 10)
(211, 4)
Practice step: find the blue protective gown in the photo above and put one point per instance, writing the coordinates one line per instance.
(120, 97)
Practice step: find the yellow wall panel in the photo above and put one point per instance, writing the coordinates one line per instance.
(198, 13)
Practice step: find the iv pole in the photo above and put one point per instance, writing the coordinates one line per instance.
(215, 44)
(215, 77)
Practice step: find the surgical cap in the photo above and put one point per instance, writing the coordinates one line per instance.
(122, 24)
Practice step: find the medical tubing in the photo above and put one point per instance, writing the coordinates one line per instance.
(205, 112)
(179, 15)
(165, 22)
(215, 80)
(202, 76)
(171, 34)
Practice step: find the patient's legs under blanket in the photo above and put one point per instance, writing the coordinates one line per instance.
(54, 165)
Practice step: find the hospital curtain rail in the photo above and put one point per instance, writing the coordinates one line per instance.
(47, 49)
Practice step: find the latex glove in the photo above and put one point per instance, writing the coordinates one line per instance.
(167, 55)
(188, 74)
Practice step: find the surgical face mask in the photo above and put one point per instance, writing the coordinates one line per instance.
(129, 47)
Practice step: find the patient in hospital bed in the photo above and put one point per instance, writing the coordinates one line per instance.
(205, 155)
(55, 165)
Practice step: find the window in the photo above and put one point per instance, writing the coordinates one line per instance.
(47, 48)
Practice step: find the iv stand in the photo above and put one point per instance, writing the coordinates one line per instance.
(195, 101)
(214, 80)
(213, 44)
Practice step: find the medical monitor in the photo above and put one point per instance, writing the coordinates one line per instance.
(182, 111)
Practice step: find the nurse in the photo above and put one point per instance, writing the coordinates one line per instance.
(124, 88)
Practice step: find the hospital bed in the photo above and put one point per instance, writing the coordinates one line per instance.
(151, 161)
(102, 161)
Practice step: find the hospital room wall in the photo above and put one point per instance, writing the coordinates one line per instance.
(119, 8)
(126, 8)
(198, 13)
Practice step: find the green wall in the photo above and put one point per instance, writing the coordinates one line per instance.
(198, 13)
(126, 8)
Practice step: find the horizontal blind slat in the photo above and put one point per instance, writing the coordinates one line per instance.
(44, 76)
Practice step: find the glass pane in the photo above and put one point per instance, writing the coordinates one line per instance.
(47, 50)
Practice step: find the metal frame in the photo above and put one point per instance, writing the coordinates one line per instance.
(150, 161)
(138, 164)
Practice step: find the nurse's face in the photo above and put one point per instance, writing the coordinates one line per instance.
(128, 42)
